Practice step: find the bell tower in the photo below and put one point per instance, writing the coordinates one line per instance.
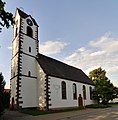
(23, 80)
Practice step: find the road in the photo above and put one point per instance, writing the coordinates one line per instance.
(102, 114)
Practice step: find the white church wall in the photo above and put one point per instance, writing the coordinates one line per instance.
(41, 86)
(17, 23)
(56, 93)
(13, 86)
(29, 42)
(14, 65)
(28, 64)
(28, 83)
(15, 46)
(88, 100)
(28, 92)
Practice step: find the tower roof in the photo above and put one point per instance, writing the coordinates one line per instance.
(59, 69)
(24, 15)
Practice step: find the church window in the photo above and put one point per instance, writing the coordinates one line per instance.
(84, 92)
(29, 49)
(16, 31)
(29, 31)
(29, 73)
(14, 74)
(90, 89)
(63, 85)
(74, 91)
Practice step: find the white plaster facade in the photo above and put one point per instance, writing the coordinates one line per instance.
(30, 85)
(56, 93)
(41, 76)
(23, 86)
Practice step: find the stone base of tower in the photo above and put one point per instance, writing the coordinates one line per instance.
(14, 107)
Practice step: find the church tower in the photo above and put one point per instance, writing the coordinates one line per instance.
(23, 80)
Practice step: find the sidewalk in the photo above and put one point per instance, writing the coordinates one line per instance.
(15, 115)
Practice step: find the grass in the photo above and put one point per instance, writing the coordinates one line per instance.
(114, 104)
(95, 106)
(36, 112)
(101, 105)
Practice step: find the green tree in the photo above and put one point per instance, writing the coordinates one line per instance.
(6, 18)
(104, 90)
(116, 92)
(6, 99)
(2, 85)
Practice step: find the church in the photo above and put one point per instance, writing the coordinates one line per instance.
(39, 81)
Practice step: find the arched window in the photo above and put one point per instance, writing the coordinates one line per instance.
(74, 91)
(63, 87)
(84, 92)
(29, 73)
(29, 31)
(29, 49)
(90, 89)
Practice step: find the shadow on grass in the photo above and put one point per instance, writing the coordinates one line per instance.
(36, 112)
(101, 105)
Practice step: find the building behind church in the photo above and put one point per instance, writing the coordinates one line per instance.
(40, 81)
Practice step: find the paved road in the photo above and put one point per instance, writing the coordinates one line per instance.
(101, 114)
(88, 114)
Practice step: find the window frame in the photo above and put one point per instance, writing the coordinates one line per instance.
(84, 92)
(30, 50)
(90, 90)
(74, 91)
(63, 89)
(29, 73)
(29, 32)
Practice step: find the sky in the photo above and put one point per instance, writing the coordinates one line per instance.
(81, 33)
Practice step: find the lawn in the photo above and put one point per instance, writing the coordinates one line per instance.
(36, 112)
(101, 105)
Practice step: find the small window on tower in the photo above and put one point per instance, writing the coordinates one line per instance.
(29, 73)
(29, 31)
(16, 32)
(30, 49)
(14, 74)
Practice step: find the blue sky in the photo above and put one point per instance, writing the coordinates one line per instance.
(82, 33)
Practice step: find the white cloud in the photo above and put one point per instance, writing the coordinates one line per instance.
(113, 69)
(102, 52)
(107, 43)
(97, 53)
(81, 49)
(10, 48)
(52, 47)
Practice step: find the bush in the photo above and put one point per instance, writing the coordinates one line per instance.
(1, 108)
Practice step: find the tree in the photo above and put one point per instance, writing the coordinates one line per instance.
(2, 84)
(6, 99)
(116, 92)
(104, 90)
(6, 18)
